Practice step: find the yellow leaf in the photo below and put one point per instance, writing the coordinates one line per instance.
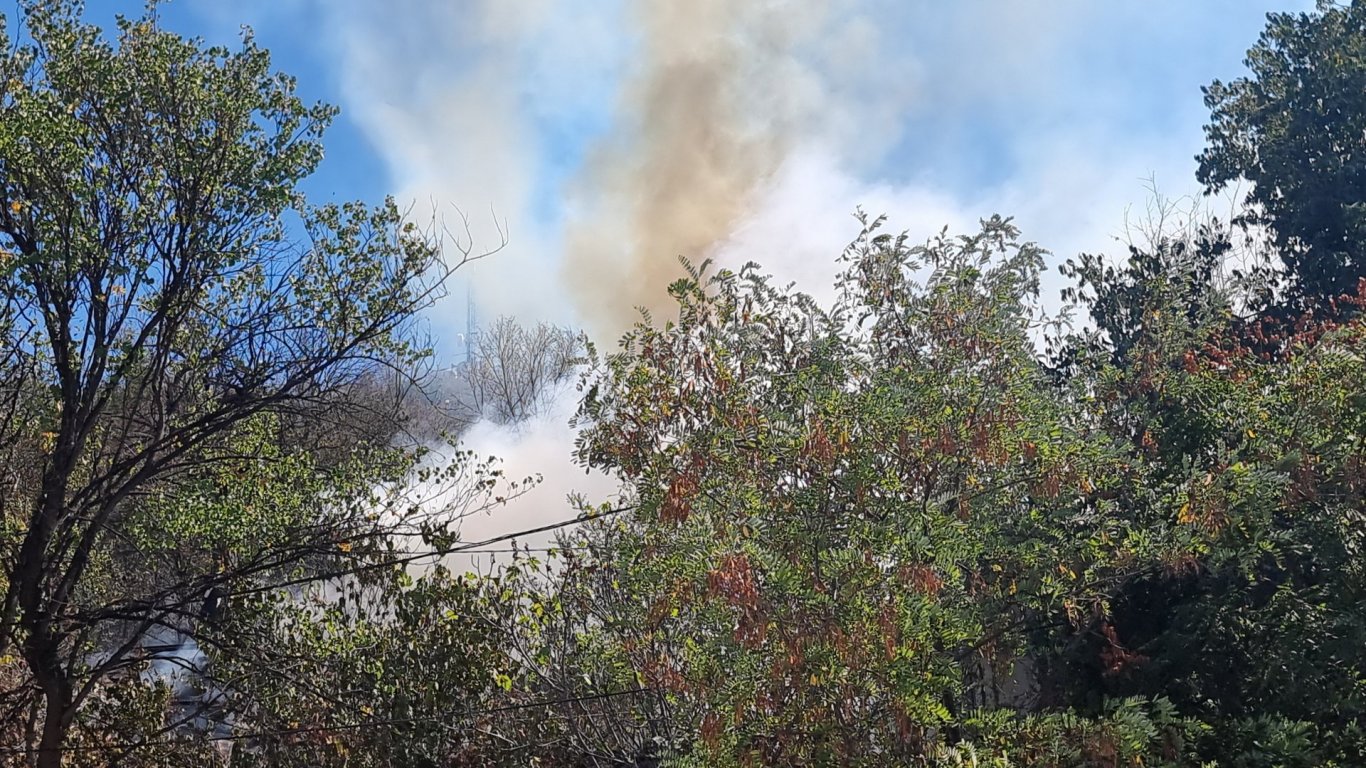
(344, 546)
(16, 206)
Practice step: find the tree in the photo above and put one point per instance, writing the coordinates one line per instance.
(852, 523)
(515, 369)
(1176, 264)
(1257, 633)
(1296, 129)
(425, 659)
(886, 532)
(160, 321)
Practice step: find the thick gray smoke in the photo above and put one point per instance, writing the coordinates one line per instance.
(702, 122)
(751, 129)
(696, 104)
(718, 95)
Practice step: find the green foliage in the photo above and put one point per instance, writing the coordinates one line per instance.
(159, 325)
(886, 531)
(1294, 128)
(420, 657)
(1122, 302)
(848, 519)
(1250, 458)
(1128, 732)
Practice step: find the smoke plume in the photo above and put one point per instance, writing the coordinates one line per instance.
(613, 136)
(680, 170)
(718, 94)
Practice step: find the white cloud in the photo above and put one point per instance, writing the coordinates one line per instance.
(455, 97)
(1053, 111)
(1065, 200)
(540, 447)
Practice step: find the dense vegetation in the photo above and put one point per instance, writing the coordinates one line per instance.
(923, 525)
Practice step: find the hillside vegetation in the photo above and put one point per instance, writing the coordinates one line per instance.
(926, 524)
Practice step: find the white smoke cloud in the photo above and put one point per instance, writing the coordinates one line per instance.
(614, 135)
(540, 447)
(803, 216)
(457, 98)
(490, 104)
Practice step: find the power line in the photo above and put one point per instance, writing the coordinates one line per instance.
(472, 547)
(246, 735)
(425, 552)
(409, 559)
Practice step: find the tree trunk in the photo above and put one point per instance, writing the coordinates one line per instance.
(55, 724)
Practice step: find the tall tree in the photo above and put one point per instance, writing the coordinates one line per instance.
(850, 522)
(160, 316)
(1296, 129)
(515, 369)
(1256, 633)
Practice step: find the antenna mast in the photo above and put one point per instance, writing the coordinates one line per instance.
(471, 325)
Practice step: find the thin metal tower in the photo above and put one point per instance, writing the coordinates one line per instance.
(471, 325)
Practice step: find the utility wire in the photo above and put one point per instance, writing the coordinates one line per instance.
(474, 546)
(439, 552)
(246, 735)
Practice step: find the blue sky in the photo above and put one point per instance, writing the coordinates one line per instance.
(566, 120)
(612, 135)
